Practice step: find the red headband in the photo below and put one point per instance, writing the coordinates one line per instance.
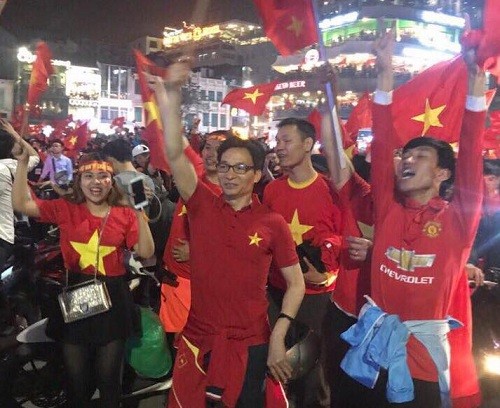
(96, 166)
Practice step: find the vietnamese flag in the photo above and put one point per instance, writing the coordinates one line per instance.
(360, 118)
(153, 133)
(41, 71)
(289, 24)
(252, 99)
(432, 103)
(77, 140)
(118, 122)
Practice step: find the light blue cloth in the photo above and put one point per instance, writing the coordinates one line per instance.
(378, 340)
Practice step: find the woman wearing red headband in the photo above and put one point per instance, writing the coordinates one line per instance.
(96, 225)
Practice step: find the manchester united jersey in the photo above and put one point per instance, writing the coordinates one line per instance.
(80, 232)
(420, 250)
(311, 214)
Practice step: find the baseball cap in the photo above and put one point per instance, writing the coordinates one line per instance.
(139, 149)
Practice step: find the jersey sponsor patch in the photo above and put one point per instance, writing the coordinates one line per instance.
(408, 260)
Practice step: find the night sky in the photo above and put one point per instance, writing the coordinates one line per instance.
(117, 21)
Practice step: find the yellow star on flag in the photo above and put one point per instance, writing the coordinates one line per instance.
(153, 113)
(253, 96)
(297, 229)
(296, 26)
(72, 140)
(88, 252)
(430, 117)
(183, 211)
(254, 239)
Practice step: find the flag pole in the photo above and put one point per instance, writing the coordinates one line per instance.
(337, 160)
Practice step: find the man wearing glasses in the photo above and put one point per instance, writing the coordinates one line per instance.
(227, 346)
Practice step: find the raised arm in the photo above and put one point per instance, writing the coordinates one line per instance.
(168, 96)
(21, 197)
(468, 179)
(384, 140)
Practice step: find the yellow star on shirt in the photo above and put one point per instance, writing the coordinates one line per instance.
(254, 239)
(297, 229)
(296, 26)
(153, 113)
(430, 117)
(72, 140)
(88, 252)
(253, 96)
(183, 211)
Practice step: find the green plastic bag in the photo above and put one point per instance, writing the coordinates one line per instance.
(149, 354)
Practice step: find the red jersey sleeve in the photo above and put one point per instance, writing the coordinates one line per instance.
(383, 145)
(51, 211)
(468, 187)
(201, 193)
(283, 247)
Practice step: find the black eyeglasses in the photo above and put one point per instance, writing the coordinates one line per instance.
(238, 168)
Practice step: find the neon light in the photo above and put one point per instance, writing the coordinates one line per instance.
(338, 21)
(442, 19)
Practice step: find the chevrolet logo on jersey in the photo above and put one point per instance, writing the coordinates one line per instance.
(408, 260)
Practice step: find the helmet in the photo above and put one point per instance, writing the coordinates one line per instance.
(139, 149)
(303, 346)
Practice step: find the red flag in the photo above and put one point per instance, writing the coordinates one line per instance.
(360, 117)
(289, 24)
(432, 103)
(118, 122)
(153, 133)
(487, 40)
(78, 139)
(41, 70)
(253, 99)
(315, 119)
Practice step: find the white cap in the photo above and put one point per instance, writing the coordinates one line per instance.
(139, 149)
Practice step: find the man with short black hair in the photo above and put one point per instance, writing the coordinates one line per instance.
(57, 166)
(303, 197)
(420, 248)
(224, 347)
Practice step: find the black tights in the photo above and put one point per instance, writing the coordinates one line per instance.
(91, 366)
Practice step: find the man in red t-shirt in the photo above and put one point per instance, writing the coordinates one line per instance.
(303, 197)
(226, 346)
(176, 300)
(422, 241)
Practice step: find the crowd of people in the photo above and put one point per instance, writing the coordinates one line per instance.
(374, 267)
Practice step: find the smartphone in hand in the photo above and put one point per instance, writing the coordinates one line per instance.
(136, 191)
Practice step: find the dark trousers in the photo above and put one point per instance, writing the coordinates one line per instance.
(348, 393)
(6, 250)
(311, 390)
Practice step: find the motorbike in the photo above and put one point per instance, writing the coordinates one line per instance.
(40, 374)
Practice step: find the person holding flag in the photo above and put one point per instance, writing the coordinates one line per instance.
(421, 245)
(227, 346)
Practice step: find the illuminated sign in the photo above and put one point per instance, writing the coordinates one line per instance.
(339, 21)
(442, 19)
(84, 103)
(25, 55)
(290, 85)
(196, 34)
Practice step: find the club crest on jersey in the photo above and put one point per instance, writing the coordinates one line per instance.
(432, 229)
(408, 260)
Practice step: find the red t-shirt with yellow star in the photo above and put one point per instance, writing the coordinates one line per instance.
(311, 214)
(79, 235)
